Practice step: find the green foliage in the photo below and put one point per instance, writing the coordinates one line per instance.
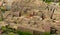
(3, 28)
(10, 31)
(48, 1)
(59, 3)
(1, 19)
(24, 33)
(47, 33)
(2, 8)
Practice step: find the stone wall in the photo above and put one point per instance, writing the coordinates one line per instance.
(33, 16)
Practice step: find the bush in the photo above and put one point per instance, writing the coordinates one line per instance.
(24, 33)
(11, 31)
